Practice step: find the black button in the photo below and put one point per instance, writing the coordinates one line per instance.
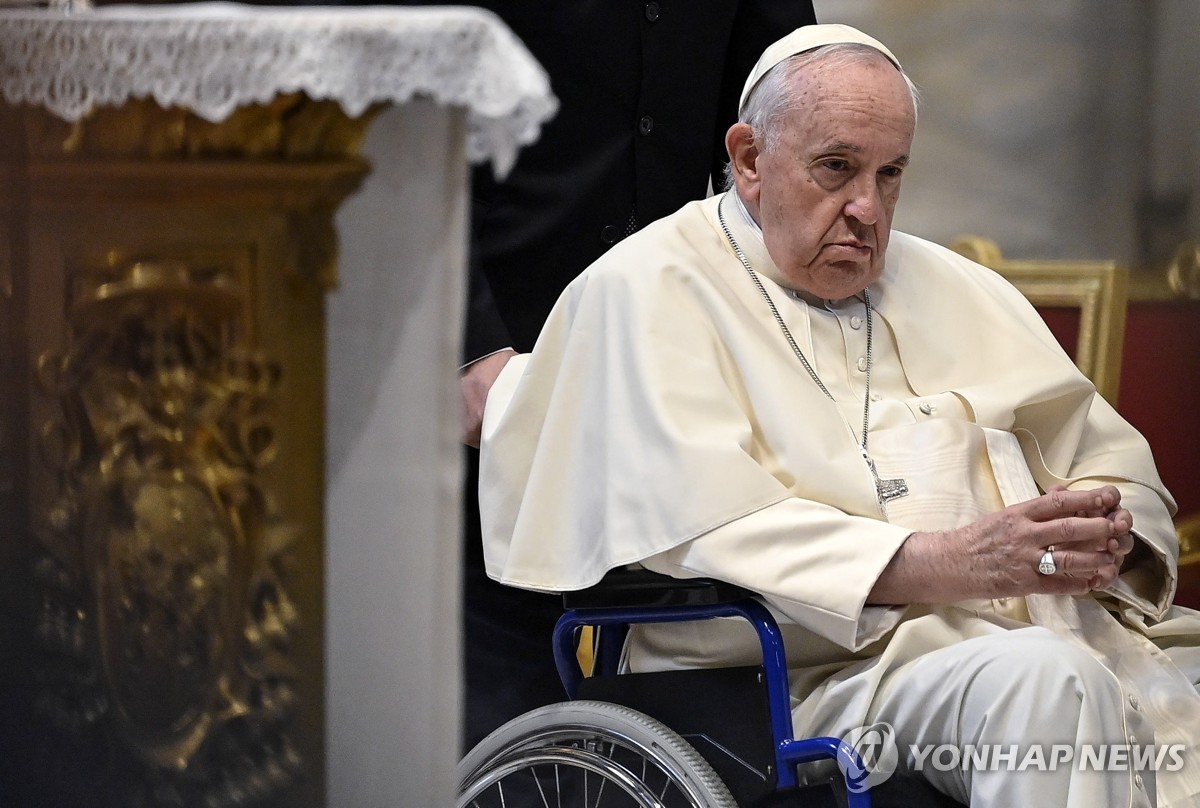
(610, 234)
(646, 125)
(653, 11)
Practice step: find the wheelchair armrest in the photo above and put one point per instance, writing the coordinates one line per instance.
(625, 588)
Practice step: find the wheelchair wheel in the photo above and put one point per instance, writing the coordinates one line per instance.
(587, 753)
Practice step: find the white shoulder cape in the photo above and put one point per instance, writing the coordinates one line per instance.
(661, 402)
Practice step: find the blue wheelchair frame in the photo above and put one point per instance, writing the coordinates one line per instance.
(789, 752)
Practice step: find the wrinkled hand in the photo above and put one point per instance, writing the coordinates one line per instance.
(476, 381)
(997, 556)
(1122, 543)
(1089, 531)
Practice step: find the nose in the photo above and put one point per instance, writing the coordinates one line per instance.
(865, 201)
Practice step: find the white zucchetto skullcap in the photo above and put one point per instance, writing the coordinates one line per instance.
(804, 39)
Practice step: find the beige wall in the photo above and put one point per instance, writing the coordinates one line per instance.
(1175, 123)
(393, 468)
(1060, 129)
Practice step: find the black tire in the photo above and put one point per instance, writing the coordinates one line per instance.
(587, 753)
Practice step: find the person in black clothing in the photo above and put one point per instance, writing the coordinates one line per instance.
(647, 92)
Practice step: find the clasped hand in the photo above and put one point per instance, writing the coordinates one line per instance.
(997, 556)
(1088, 530)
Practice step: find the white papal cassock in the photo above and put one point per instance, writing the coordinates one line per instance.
(662, 418)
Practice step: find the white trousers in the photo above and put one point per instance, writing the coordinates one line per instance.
(991, 721)
(978, 675)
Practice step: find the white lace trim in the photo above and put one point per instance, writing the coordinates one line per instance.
(214, 57)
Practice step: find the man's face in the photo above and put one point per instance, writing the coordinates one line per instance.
(825, 195)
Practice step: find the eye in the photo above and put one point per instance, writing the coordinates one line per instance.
(891, 171)
(835, 165)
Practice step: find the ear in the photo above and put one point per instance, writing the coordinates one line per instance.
(743, 154)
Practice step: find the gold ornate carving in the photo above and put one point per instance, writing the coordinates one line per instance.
(162, 599)
(1188, 531)
(1183, 273)
(1177, 280)
(314, 239)
(1099, 289)
(7, 343)
(291, 126)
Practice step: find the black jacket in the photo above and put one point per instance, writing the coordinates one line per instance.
(647, 91)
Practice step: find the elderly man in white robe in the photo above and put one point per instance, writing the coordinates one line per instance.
(771, 387)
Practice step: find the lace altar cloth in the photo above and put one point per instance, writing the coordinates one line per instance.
(214, 57)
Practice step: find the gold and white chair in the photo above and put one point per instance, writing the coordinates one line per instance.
(1083, 302)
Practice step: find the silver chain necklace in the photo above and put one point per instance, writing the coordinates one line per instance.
(885, 490)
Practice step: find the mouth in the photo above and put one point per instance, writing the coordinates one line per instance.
(850, 249)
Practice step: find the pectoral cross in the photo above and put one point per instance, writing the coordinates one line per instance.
(885, 490)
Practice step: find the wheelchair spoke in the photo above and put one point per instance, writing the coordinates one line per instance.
(537, 781)
(593, 761)
(612, 748)
(600, 791)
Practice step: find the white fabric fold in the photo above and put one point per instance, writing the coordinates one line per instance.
(661, 403)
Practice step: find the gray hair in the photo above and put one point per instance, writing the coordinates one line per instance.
(773, 98)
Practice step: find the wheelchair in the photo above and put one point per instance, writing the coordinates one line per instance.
(707, 738)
